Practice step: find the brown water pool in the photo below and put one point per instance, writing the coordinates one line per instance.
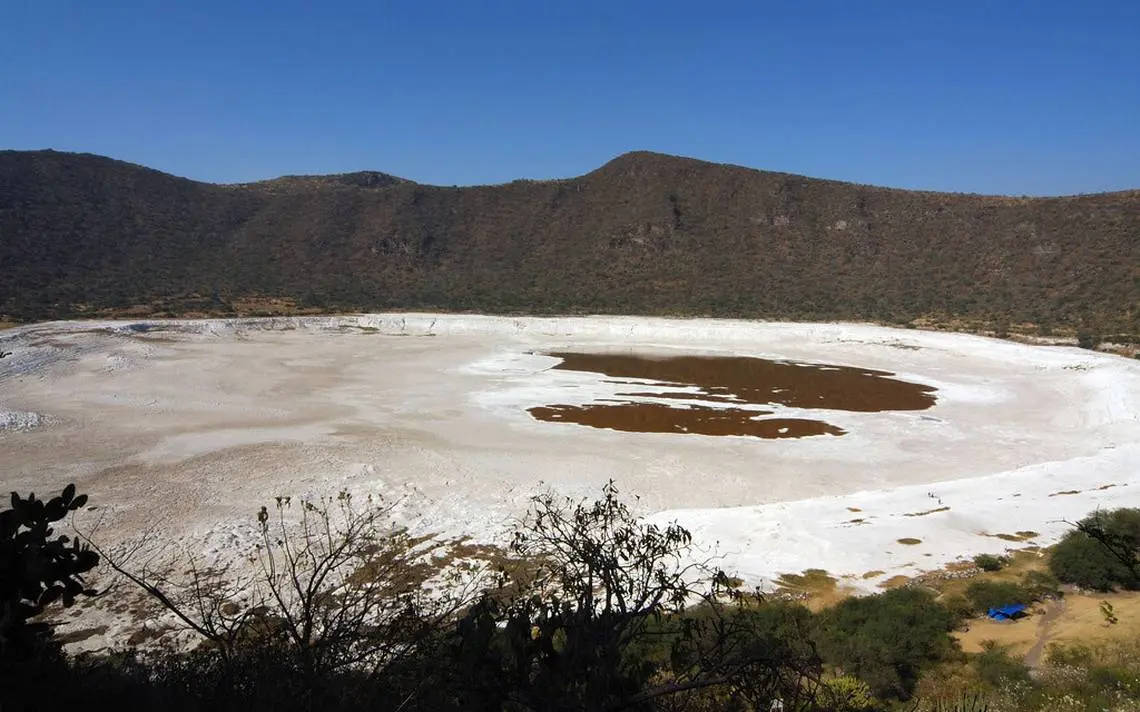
(725, 381)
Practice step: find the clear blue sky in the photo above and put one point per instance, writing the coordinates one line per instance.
(995, 96)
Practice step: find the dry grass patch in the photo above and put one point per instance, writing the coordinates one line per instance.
(910, 541)
(464, 549)
(895, 582)
(814, 588)
(1015, 538)
(80, 635)
(1018, 637)
(810, 580)
(960, 566)
(1020, 563)
(147, 634)
(873, 574)
(1083, 623)
(929, 511)
(1075, 620)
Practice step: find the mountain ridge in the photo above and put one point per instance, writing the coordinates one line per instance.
(363, 177)
(648, 233)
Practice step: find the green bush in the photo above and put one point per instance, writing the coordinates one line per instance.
(984, 595)
(995, 666)
(989, 562)
(1082, 561)
(1113, 678)
(960, 607)
(1040, 585)
(781, 619)
(1100, 563)
(1059, 655)
(887, 640)
(1087, 341)
(847, 694)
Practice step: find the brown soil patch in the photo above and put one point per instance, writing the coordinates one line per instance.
(763, 381)
(143, 635)
(695, 420)
(732, 379)
(78, 636)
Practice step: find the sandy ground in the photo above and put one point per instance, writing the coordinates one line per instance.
(186, 427)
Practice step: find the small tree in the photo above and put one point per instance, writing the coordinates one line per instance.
(345, 587)
(336, 591)
(610, 616)
(1108, 612)
(1040, 585)
(1101, 552)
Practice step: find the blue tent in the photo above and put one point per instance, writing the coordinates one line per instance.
(1007, 613)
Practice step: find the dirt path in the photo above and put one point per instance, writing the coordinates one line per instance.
(1053, 609)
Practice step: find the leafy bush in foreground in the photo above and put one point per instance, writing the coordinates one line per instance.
(37, 569)
(594, 611)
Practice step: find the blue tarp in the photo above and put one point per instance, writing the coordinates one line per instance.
(1006, 613)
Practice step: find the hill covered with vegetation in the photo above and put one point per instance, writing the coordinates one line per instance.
(83, 235)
